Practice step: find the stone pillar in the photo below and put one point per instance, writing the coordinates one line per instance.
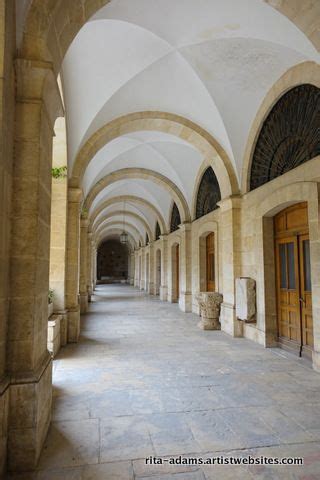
(89, 266)
(83, 283)
(142, 272)
(164, 267)
(230, 245)
(58, 251)
(38, 104)
(151, 286)
(136, 268)
(94, 266)
(132, 268)
(72, 267)
(7, 87)
(185, 300)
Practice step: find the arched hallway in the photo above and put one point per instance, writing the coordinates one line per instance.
(145, 380)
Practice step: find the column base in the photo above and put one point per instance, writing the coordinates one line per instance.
(316, 361)
(29, 419)
(142, 285)
(83, 302)
(229, 322)
(185, 302)
(151, 289)
(73, 324)
(163, 293)
(209, 324)
(4, 409)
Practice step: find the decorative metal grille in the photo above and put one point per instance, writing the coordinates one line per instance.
(208, 194)
(289, 137)
(158, 231)
(175, 219)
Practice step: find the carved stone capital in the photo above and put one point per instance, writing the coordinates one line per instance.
(209, 303)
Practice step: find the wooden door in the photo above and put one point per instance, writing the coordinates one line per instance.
(178, 272)
(210, 259)
(294, 297)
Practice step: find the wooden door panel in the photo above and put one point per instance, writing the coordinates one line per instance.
(293, 277)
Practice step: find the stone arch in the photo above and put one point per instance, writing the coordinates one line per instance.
(208, 194)
(145, 174)
(289, 136)
(163, 122)
(127, 214)
(129, 227)
(175, 219)
(128, 198)
(306, 72)
(111, 233)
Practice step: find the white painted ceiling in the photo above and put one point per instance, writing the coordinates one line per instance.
(210, 61)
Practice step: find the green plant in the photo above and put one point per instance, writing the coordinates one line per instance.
(50, 295)
(59, 172)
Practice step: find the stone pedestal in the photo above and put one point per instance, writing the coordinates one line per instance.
(163, 293)
(54, 336)
(245, 299)
(209, 303)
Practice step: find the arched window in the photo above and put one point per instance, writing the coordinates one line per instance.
(158, 231)
(139, 243)
(289, 136)
(147, 238)
(175, 219)
(208, 194)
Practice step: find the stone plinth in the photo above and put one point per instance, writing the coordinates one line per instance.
(209, 303)
(245, 299)
(54, 335)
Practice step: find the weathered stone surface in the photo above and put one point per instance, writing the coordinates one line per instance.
(209, 303)
(245, 299)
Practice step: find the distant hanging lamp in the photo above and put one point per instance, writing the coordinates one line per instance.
(124, 235)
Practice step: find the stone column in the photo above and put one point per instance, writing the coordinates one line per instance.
(72, 270)
(164, 267)
(38, 104)
(185, 300)
(83, 283)
(151, 286)
(143, 271)
(89, 266)
(132, 268)
(94, 266)
(136, 268)
(230, 225)
(7, 104)
(58, 251)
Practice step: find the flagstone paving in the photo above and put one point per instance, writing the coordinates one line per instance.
(145, 381)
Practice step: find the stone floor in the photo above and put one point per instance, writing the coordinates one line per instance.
(144, 380)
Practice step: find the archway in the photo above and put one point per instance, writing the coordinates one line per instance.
(112, 262)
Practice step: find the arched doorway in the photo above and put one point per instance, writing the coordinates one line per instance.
(158, 272)
(293, 279)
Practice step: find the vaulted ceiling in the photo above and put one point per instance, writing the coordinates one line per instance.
(211, 62)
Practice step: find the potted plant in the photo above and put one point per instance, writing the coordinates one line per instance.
(50, 302)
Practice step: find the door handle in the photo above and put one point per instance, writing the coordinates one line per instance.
(302, 300)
